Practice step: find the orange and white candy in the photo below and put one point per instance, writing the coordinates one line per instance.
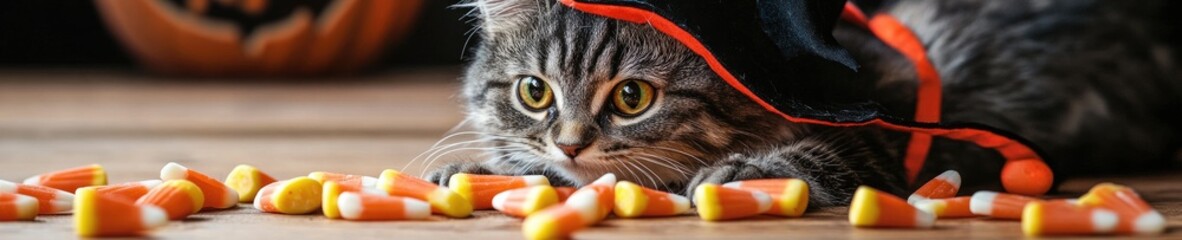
(49, 200)
(790, 196)
(873, 208)
(633, 201)
(587, 206)
(71, 179)
(442, 200)
(957, 207)
(944, 185)
(129, 190)
(178, 198)
(564, 193)
(324, 177)
(332, 189)
(370, 207)
(1065, 218)
(999, 205)
(480, 189)
(217, 194)
(300, 195)
(716, 203)
(1136, 216)
(522, 202)
(16, 207)
(99, 215)
(246, 180)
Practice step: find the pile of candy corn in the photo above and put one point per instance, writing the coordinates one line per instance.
(130, 209)
(1106, 209)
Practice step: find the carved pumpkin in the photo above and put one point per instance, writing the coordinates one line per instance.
(257, 37)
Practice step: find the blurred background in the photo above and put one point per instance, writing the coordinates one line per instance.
(294, 86)
(38, 33)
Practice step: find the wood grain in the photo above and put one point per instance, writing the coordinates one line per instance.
(134, 124)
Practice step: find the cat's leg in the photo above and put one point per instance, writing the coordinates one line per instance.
(834, 162)
(505, 167)
(441, 175)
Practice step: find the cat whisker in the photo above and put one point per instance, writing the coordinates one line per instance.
(664, 162)
(691, 156)
(437, 157)
(435, 150)
(628, 166)
(437, 143)
(484, 138)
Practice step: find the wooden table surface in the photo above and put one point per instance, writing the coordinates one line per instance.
(133, 124)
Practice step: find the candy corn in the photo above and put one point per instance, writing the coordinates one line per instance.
(564, 193)
(584, 208)
(999, 205)
(790, 197)
(1063, 218)
(604, 200)
(557, 222)
(480, 189)
(178, 198)
(1136, 216)
(130, 190)
(332, 190)
(442, 199)
(873, 208)
(522, 202)
(636, 201)
(217, 194)
(16, 207)
(246, 180)
(957, 207)
(49, 200)
(100, 215)
(720, 203)
(298, 195)
(357, 206)
(323, 177)
(71, 179)
(944, 185)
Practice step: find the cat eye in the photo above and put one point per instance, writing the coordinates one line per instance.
(632, 97)
(534, 93)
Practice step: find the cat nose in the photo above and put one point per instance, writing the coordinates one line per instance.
(571, 150)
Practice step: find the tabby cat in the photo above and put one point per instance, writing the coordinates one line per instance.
(572, 96)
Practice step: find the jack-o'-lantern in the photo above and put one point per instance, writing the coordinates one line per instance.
(257, 37)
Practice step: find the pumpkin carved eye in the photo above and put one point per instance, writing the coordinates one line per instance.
(534, 93)
(632, 97)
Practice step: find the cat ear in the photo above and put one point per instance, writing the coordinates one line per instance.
(499, 15)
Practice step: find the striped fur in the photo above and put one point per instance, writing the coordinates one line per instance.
(701, 130)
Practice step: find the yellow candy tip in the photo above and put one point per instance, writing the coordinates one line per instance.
(461, 184)
(540, 226)
(245, 180)
(451, 203)
(864, 207)
(84, 211)
(329, 193)
(1032, 219)
(543, 197)
(630, 199)
(706, 198)
(298, 195)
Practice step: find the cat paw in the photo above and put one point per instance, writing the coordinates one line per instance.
(441, 175)
(734, 168)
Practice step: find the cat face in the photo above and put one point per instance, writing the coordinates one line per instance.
(584, 95)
